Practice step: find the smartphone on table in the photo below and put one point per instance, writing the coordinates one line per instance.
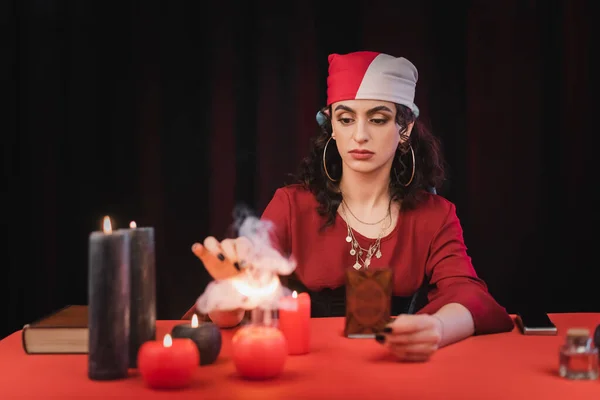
(535, 323)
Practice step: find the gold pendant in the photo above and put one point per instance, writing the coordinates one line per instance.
(348, 239)
(352, 252)
(356, 266)
(378, 254)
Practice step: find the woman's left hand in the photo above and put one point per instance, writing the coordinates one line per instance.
(412, 337)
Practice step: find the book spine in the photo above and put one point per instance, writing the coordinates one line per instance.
(24, 339)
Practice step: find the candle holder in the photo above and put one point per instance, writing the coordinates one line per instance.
(259, 347)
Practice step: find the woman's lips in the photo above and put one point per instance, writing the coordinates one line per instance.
(361, 154)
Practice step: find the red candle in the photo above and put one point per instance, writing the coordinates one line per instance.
(259, 352)
(294, 322)
(170, 364)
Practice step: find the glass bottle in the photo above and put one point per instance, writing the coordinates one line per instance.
(578, 355)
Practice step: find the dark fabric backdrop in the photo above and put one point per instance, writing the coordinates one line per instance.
(172, 114)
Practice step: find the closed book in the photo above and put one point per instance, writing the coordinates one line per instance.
(62, 332)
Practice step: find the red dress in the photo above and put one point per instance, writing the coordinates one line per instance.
(427, 243)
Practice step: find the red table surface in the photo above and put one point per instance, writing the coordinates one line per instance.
(499, 366)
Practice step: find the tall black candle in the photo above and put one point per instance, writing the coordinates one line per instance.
(109, 304)
(143, 290)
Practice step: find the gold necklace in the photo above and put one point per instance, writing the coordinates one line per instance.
(368, 223)
(357, 250)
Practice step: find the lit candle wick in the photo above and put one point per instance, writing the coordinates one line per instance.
(167, 341)
(195, 321)
(132, 224)
(107, 227)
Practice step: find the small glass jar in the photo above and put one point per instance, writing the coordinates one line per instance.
(578, 356)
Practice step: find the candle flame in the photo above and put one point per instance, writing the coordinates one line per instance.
(167, 341)
(132, 224)
(195, 321)
(107, 227)
(294, 294)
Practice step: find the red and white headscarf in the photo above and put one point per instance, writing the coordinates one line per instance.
(373, 76)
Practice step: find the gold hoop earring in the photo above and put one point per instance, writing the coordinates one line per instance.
(412, 176)
(324, 161)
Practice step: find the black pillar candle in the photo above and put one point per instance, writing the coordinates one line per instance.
(109, 304)
(143, 290)
(206, 336)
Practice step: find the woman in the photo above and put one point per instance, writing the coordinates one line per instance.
(364, 200)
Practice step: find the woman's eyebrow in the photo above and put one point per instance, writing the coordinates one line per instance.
(345, 108)
(371, 111)
(377, 109)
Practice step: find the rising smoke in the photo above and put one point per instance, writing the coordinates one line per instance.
(258, 285)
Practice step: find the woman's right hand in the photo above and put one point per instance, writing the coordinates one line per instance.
(223, 259)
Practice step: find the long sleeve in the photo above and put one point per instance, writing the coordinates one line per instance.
(454, 280)
(278, 212)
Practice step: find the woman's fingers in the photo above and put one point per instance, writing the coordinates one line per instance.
(413, 352)
(229, 250)
(406, 323)
(224, 259)
(412, 357)
(426, 336)
(214, 247)
(217, 268)
(200, 251)
(237, 251)
(244, 249)
(408, 329)
(417, 348)
(411, 337)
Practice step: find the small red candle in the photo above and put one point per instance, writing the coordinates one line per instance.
(259, 352)
(170, 364)
(294, 322)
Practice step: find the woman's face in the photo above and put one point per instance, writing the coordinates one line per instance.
(366, 133)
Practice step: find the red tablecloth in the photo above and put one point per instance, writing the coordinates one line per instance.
(501, 366)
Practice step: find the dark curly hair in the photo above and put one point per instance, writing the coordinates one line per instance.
(429, 166)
